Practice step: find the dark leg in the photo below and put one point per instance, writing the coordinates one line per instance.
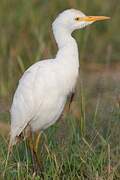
(67, 106)
(37, 165)
(71, 100)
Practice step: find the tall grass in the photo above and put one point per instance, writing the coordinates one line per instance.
(70, 154)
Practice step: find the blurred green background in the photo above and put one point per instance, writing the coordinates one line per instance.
(86, 144)
(26, 35)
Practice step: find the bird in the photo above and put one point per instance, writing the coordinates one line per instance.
(44, 88)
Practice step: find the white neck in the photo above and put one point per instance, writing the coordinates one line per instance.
(68, 50)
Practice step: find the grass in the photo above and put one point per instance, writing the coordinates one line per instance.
(85, 144)
(87, 157)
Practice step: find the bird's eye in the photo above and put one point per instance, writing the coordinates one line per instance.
(77, 18)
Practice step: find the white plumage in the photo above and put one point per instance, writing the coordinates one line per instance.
(44, 87)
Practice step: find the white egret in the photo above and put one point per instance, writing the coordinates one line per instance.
(44, 87)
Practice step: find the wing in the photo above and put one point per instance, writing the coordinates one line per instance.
(25, 101)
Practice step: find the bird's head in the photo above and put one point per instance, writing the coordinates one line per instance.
(72, 19)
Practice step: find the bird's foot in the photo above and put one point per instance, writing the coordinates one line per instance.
(38, 171)
(37, 167)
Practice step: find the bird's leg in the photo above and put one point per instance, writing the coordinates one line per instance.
(37, 168)
(36, 144)
(67, 106)
(71, 100)
(30, 145)
(37, 140)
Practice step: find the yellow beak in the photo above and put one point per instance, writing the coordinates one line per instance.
(94, 18)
